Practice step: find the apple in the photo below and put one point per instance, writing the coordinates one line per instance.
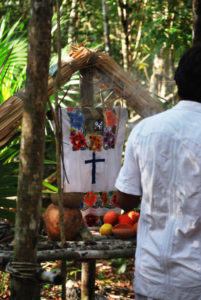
(134, 215)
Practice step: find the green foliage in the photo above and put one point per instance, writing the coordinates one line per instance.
(120, 264)
(13, 48)
(8, 177)
(50, 187)
(165, 24)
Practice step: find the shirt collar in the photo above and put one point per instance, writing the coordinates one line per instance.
(188, 105)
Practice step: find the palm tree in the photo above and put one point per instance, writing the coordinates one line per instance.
(13, 52)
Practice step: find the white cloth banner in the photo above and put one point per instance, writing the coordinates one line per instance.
(89, 170)
(92, 152)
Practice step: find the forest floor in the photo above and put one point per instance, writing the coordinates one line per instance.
(114, 279)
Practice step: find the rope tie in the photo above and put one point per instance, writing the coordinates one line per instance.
(24, 270)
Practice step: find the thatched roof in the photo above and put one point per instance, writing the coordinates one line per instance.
(109, 73)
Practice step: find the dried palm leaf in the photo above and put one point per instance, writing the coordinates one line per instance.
(107, 70)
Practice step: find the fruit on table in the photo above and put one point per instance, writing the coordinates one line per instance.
(123, 231)
(106, 229)
(111, 217)
(72, 222)
(125, 219)
(134, 215)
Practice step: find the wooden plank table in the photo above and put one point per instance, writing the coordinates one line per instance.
(101, 248)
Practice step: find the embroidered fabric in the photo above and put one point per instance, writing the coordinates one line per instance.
(92, 151)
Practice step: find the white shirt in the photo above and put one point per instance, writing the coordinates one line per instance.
(163, 164)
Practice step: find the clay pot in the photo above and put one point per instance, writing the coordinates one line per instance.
(71, 200)
(123, 231)
(72, 222)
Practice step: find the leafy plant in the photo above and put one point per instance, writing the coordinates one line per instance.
(120, 264)
(9, 177)
(13, 49)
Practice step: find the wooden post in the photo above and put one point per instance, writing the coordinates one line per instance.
(196, 22)
(86, 86)
(24, 284)
(88, 280)
(88, 268)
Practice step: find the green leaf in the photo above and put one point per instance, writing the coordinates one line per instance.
(122, 268)
(8, 192)
(49, 162)
(7, 214)
(50, 186)
(8, 169)
(9, 181)
(7, 203)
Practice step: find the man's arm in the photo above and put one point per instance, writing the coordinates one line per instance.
(127, 201)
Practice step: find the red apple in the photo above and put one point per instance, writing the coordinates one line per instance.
(133, 215)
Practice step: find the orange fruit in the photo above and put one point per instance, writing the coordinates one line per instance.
(125, 219)
(111, 217)
(105, 229)
(133, 215)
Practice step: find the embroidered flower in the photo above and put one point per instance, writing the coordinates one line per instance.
(110, 118)
(114, 200)
(78, 140)
(81, 206)
(90, 198)
(73, 132)
(96, 142)
(98, 125)
(109, 139)
(76, 120)
(69, 109)
(104, 198)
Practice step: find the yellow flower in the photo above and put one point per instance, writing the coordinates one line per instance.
(96, 142)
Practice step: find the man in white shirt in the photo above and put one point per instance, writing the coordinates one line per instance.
(162, 170)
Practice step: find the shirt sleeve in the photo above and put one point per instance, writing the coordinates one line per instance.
(129, 178)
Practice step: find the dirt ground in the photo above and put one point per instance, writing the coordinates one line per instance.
(114, 279)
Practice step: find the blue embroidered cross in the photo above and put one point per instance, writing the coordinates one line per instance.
(94, 161)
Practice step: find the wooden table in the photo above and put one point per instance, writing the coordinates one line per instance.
(101, 248)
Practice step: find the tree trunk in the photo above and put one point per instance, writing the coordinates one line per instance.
(88, 280)
(141, 9)
(86, 86)
(197, 23)
(24, 283)
(123, 15)
(72, 20)
(106, 28)
(88, 268)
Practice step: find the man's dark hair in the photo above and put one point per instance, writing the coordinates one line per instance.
(188, 75)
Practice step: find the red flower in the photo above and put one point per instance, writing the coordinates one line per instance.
(110, 118)
(90, 198)
(78, 141)
(114, 200)
(69, 109)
